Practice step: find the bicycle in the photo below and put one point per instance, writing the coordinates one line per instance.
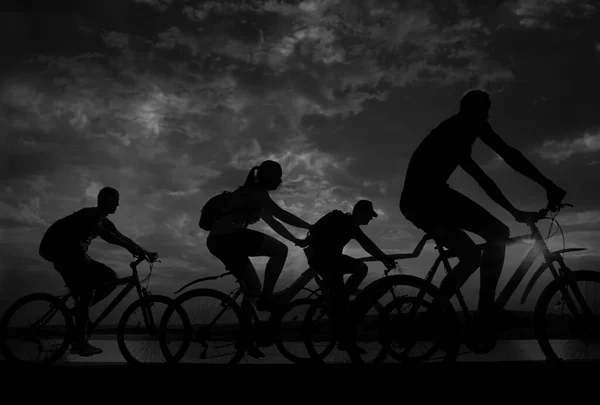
(229, 337)
(367, 307)
(572, 304)
(56, 323)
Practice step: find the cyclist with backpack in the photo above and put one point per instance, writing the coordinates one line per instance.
(233, 243)
(65, 244)
(327, 239)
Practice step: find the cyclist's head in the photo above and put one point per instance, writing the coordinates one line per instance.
(476, 104)
(108, 200)
(268, 174)
(363, 211)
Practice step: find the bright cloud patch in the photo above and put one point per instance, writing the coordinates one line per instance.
(536, 13)
(557, 151)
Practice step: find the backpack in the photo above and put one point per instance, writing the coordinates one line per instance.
(322, 230)
(47, 248)
(214, 209)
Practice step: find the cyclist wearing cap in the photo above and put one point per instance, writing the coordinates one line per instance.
(327, 238)
(443, 213)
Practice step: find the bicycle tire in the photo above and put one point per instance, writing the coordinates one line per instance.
(387, 332)
(542, 323)
(310, 330)
(54, 302)
(280, 343)
(148, 301)
(189, 333)
(378, 288)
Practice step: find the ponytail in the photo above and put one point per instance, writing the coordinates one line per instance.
(251, 178)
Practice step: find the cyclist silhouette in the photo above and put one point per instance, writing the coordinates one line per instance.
(232, 243)
(430, 204)
(327, 239)
(66, 244)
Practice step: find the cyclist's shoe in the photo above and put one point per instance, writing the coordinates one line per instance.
(250, 348)
(84, 349)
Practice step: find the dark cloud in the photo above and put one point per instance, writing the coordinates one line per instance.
(172, 102)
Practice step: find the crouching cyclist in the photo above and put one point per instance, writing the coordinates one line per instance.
(327, 239)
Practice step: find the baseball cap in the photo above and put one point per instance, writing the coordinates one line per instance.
(365, 206)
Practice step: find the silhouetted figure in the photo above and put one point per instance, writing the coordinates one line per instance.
(327, 239)
(232, 243)
(66, 243)
(443, 213)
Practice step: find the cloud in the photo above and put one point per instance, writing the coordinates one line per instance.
(539, 13)
(172, 115)
(557, 151)
(586, 218)
(159, 5)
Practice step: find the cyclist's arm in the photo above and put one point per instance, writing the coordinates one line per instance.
(271, 209)
(487, 184)
(514, 158)
(278, 227)
(111, 235)
(369, 246)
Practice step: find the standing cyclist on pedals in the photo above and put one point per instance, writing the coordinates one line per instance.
(66, 243)
(443, 213)
(327, 239)
(232, 243)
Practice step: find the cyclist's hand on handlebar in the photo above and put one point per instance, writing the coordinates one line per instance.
(301, 242)
(555, 196)
(152, 256)
(389, 263)
(526, 217)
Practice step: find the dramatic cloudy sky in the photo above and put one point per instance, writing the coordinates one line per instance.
(172, 101)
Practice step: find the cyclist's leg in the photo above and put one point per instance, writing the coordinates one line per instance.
(453, 238)
(357, 269)
(445, 225)
(232, 250)
(73, 268)
(229, 248)
(260, 244)
(468, 260)
(100, 273)
(474, 218)
(332, 272)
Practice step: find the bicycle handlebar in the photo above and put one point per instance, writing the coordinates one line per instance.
(543, 212)
(141, 258)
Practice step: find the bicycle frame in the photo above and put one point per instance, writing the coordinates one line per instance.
(539, 248)
(289, 292)
(130, 283)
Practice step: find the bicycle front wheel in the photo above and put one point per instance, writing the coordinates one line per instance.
(291, 331)
(403, 331)
(567, 317)
(36, 329)
(217, 327)
(139, 335)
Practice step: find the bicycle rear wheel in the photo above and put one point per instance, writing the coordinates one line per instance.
(291, 331)
(321, 338)
(217, 328)
(401, 331)
(566, 332)
(36, 329)
(139, 335)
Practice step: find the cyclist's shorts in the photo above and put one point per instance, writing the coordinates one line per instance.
(234, 250)
(80, 272)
